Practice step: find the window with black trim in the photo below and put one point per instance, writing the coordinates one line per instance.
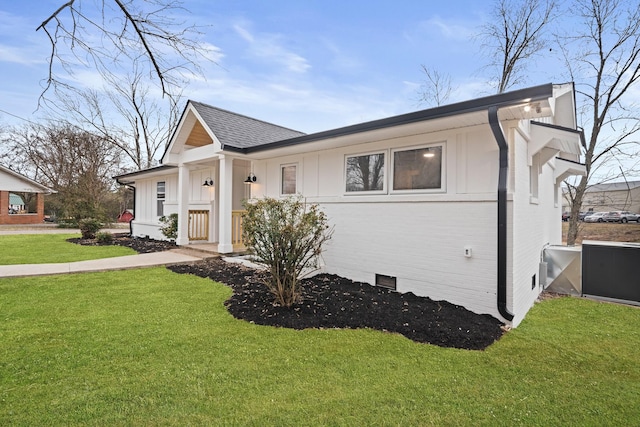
(160, 196)
(365, 173)
(418, 168)
(288, 179)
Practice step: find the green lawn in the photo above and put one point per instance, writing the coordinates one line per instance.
(151, 347)
(52, 248)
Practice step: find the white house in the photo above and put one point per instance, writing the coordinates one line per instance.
(455, 203)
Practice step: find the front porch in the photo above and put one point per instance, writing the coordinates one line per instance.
(199, 225)
(209, 202)
(202, 180)
(207, 251)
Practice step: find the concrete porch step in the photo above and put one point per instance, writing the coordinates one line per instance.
(200, 251)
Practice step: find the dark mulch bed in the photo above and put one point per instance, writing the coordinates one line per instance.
(138, 244)
(330, 301)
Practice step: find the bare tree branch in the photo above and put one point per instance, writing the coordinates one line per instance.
(139, 49)
(54, 15)
(133, 29)
(126, 115)
(517, 35)
(604, 58)
(436, 90)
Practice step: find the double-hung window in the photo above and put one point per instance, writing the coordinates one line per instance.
(418, 169)
(160, 196)
(365, 173)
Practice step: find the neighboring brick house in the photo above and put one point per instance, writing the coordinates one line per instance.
(455, 202)
(21, 198)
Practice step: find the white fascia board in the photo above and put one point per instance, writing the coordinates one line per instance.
(23, 184)
(152, 173)
(565, 169)
(558, 140)
(183, 130)
(199, 154)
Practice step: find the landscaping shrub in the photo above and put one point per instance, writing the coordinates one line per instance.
(89, 227)
(169, 226)
(67, 223)
(104, 237)
(287, 236)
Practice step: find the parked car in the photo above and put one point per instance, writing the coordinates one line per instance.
(621, 216)
(595, 217)
(581, 215)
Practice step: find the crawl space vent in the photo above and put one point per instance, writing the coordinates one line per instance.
(386, 281)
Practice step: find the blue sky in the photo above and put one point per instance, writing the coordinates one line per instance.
(308, 65)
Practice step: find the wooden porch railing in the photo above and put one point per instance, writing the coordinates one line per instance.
(198, 225)
(236, 229)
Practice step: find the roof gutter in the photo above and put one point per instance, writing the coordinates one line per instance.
(502, 212)
(474, 105)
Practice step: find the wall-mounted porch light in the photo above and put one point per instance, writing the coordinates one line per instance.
(208, 182)
(250, 179)
(536, 107)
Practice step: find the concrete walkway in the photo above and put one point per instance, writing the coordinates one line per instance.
(53, 229)
(171, 257)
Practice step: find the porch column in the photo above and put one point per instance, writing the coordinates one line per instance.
(4, 207)
(40, 206)
(184, 188)
(225, 205)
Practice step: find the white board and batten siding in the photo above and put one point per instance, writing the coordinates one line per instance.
(535, 218)
(419, 237)
(147, 221)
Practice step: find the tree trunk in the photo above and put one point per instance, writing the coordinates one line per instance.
(576, 204)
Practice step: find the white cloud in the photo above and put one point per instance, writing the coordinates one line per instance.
(471, 88)
(245, 34)
(411, 86)
(340, 60)
(84, 78)
(20, 43)
(212, 52)
(443, 30)
(20, 56)
(270, 47)
(307, 105)
(450, 29)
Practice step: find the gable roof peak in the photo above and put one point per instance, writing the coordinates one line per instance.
(205, 105)
(240, 131)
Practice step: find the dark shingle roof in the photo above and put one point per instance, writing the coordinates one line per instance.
(236, 130)
(247, 135)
